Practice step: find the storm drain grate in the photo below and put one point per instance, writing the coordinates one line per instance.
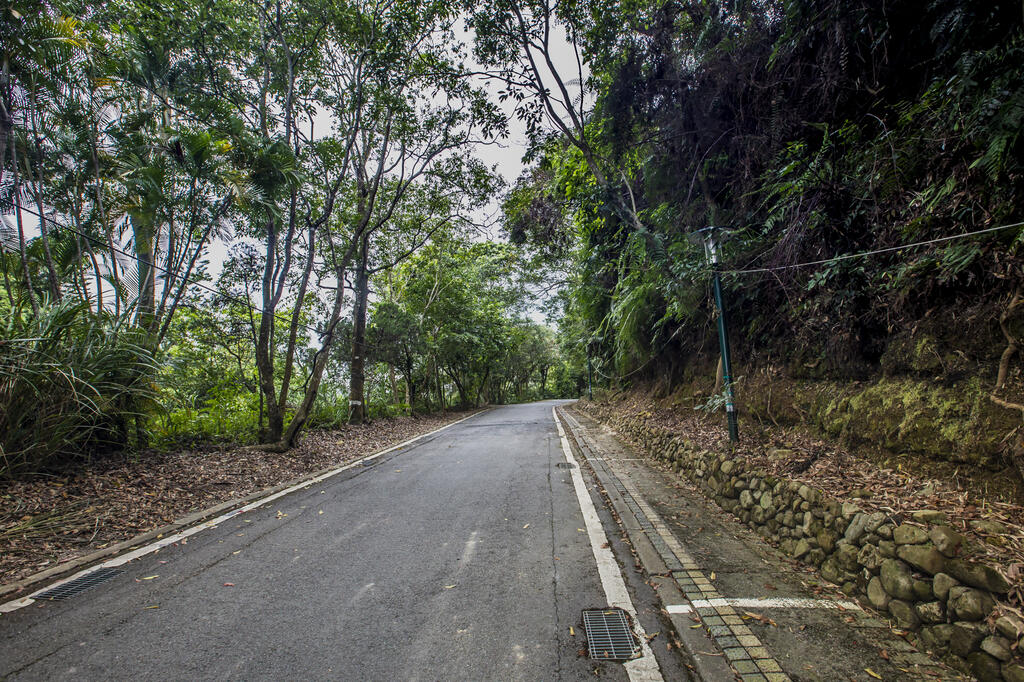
(78, 585)
(609, 636)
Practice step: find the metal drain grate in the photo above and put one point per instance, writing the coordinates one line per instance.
(609, 636)
(78, 585)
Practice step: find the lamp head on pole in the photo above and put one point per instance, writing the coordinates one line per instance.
(711, 237)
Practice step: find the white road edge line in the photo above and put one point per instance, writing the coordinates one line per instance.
(769, 603)
(645, 668)
(16, 604)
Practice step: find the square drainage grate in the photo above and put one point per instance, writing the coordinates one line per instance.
(78, 585)
(609, 636)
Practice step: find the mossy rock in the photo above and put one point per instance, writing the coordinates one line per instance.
(921, 354)
(956, 424)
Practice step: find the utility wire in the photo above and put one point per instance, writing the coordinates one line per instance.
(871, 253)
(820, 262)
(649, 360)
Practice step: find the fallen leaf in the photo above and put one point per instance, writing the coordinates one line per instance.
(237, 552)
(229, 584)
(884, 654)
(152, 607)
(448, 587)
(572, 632)
(526, 526)
(712, 575)
(873, 674)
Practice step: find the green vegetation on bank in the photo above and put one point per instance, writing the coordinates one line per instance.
(810, 129)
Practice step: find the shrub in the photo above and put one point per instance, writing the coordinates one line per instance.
(72, 382)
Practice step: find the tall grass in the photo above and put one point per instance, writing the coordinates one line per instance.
(72, 383)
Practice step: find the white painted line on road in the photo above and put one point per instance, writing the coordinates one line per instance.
(768, 603)
(645, 668)
(16, 604)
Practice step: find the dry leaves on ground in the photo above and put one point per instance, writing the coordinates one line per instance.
(846, 476)
(49, 520)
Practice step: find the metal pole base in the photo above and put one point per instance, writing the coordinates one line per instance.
(734, 431)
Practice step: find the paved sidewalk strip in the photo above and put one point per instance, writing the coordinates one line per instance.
(808, 626)
(742, 648)
(768, 603)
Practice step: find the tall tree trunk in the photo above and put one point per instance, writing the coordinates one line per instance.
(144, 235)
(440, 386)
(357, 376)
(394, 385)
(316, 374)
(44, 228)
(480, 388)
(7, 279)
(264, 353)
(293, 329)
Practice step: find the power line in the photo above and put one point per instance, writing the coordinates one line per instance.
(821, 262)
(649, 360)
(862, 254)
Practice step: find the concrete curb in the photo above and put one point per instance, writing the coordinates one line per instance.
(696, 643)
(195, 518)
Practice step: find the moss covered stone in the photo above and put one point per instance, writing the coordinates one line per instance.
(977, 575)
(897, 580)
(923, 557)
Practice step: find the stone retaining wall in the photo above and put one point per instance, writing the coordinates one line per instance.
(909, 568)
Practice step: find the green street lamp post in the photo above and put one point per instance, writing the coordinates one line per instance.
(711, 250)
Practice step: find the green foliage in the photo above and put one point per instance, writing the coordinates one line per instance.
(72, 382)
(810, 129)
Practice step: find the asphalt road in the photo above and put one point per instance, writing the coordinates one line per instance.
(457, 558)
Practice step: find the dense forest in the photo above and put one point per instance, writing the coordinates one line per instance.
(233, 220)
(227, 221)
(821, 138)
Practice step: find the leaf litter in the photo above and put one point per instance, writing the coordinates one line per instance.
(49, 520)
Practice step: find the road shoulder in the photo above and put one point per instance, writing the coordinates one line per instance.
(740, 608)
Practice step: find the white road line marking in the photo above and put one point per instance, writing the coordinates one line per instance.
(16, 604)
(769, 603)
(645, 668)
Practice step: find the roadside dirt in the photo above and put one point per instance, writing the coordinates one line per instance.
(995, 525)
(49, 520)
(811, 644)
